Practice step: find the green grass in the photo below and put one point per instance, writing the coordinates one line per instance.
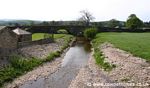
(62, 31)
(51, 56)
(67, 38)
(57, 36)
(19, 65)
(38, 36)
(136, 43)
(99, 58)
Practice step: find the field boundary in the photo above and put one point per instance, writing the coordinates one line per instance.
(36, 42)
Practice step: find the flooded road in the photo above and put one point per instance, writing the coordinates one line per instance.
(76, 57)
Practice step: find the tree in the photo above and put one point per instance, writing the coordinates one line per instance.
(45, 23)
(133, 22)
(147, 24)
(86, 17)
(113, 23)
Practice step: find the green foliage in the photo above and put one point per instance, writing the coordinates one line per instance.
(133, 22)
(114, 23)
(51, 56)
(62, 31)
(57, 36)
(7, 74)
(24, 64)
(135, 43)
(90, 33)
(98, 57)
(100, 60)
(18, 66)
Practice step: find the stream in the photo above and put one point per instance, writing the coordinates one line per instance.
(75, 58)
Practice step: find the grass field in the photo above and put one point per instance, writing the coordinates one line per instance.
(136, 43)
(38, 36)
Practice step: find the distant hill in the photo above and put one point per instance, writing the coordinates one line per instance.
(7, 22)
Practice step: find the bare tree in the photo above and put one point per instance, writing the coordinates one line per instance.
(86, 17)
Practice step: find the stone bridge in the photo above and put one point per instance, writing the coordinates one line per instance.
(74, 30)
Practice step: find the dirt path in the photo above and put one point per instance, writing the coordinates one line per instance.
(129, 69)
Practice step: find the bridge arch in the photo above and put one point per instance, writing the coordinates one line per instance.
(62, 31)
(73, 30)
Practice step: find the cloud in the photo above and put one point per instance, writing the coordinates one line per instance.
(69, 9)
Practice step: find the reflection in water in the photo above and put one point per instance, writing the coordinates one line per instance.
(77, 55)
(75, 58)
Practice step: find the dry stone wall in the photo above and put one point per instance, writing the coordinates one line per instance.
(8, 42)
(37, 42)
(8, 45)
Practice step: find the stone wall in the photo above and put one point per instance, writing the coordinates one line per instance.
(5, 54)
(107, 29)
(37, 42)
(8, 39)
(27, 37)
(8, 45)
(8, 42)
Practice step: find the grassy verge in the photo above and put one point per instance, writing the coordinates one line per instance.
(136, 43)
(100, 60)
(20, 65)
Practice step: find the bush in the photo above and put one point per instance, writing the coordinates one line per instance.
(18, 66)
(62, 31)
(24, 64)
(90, 33)
(52, 55)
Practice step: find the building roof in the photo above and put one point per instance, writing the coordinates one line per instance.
(19, 31)
(2, 27)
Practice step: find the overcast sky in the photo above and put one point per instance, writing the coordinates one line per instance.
(69, 9)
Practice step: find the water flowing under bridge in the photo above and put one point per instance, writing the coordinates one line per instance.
(74, 30)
